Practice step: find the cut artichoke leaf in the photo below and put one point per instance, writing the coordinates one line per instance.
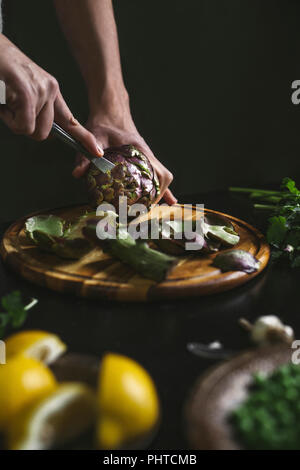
(191, 242)
(236, 260)
(74, 230)
(42, 239)
(149, 263)
(53, 234)
(51, 225)
(224, 234)
(171, 236)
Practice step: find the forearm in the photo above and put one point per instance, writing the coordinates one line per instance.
(90, 29)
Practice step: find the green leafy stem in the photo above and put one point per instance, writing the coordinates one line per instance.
(283, 231)
(15, 312)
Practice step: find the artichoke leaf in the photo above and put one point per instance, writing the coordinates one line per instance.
(51, 225)
(53, 234)
(146, 261)
(224, 234)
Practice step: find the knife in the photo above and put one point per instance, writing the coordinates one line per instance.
(100, 163)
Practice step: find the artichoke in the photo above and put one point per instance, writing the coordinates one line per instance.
(236, 260)
(133, 177)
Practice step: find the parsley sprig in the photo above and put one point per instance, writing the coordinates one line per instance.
(283, 231)
(15, 312)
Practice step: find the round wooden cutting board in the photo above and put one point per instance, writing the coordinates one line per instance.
(98, 275)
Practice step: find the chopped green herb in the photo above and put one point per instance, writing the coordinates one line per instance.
(270, 417)
(15, 312)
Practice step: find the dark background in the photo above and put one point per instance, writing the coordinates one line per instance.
(210, 86)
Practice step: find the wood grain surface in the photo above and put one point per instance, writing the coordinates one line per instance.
(97, 275)
(221, 390)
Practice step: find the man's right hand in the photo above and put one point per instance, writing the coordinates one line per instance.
(34, 100)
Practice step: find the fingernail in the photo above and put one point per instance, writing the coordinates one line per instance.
(100, 150)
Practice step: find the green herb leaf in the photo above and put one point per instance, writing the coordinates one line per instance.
(12, 302)
(16, 312)
(50, 224)
(277, 230)
(283, 231)
(290, 185)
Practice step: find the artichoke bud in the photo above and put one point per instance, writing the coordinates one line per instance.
(132, 176)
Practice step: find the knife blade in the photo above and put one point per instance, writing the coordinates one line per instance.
(100, 163)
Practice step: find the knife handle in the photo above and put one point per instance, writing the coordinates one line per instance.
(65, 137)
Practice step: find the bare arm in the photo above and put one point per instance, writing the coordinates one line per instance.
(90, 28)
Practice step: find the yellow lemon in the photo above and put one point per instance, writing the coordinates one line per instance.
(129, 406)
(53, 420)
(40, 345)
(22, 380)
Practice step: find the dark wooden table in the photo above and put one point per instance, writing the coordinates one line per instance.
(156, 335)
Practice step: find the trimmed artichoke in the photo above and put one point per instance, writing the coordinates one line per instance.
(133, 177)
(236, 260)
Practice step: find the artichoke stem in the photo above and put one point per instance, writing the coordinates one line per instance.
(267, 192)
(149, 263)
(266, 207)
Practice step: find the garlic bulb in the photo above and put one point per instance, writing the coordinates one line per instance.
(269, 329)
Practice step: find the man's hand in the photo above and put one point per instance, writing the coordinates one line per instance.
(34, 101)
(110, 134)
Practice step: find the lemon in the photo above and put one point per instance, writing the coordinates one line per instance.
(128, 402)
(22, 380)
(40, 345)
(55, 419)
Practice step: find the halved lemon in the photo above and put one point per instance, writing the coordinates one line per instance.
(22, 381)
(128, 402)
(41, 345)
(57, 418)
